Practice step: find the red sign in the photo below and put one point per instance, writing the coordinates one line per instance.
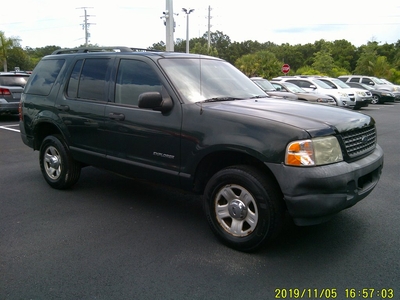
(285, 68)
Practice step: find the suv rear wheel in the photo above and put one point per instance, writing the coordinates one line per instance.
(58, 167)
(243, 207)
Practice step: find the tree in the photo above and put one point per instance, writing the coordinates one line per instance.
(367, 60)
(221, 43)
(5, 45)
(262, 63)
(323, 61)
(344, 55)
(17, 57)
(199, 48)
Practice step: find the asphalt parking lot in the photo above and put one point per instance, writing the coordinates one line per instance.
(114, 238)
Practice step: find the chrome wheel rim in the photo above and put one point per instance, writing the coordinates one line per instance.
(236, 210)
(375, 99)
(52, 163)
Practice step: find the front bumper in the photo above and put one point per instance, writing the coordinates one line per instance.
(315, 194)
(363, 102)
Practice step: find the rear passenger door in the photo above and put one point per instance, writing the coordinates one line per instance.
(82, 105)
(141, 142)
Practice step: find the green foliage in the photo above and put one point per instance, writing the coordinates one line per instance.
(323, 61)
(307, 70)
(199, 48)
(262, 63)
(17, 57)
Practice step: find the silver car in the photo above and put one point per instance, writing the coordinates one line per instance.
(362, 97)
(11, 86)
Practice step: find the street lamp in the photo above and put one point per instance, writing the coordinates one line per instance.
(187, 12)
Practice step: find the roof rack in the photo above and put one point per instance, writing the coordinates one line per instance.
(99, 49)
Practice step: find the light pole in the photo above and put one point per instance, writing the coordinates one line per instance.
(187, 12)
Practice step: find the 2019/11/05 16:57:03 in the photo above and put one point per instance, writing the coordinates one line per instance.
(333, 293)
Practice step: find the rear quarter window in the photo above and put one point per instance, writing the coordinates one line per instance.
(44, 76)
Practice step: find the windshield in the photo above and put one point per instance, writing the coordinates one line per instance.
(199, 79)
(341, 84)
(14, 80)
(264, 84)
(321, 84)
(377, 80)
(367, 87)
(294, 88)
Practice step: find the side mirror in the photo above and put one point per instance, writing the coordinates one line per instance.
(155, 101)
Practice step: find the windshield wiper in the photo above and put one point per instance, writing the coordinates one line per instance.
(260, 96)
(217, 99)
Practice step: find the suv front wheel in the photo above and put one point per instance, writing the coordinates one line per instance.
(243, 207)
(58, 167)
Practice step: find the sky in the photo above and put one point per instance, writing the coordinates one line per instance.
(134, 23)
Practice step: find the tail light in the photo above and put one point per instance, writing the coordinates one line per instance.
(5, 92)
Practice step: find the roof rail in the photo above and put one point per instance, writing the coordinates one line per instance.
(93, 49)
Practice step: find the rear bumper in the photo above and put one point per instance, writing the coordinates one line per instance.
(314, 194)
(8, 107)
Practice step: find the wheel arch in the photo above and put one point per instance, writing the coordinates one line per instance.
(42, 130)
(216, 161)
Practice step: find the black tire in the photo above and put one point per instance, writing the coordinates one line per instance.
(244, 208)
(58, 167)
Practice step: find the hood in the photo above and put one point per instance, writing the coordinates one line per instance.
(317, 120)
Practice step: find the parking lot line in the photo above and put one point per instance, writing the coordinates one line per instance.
(7, 127)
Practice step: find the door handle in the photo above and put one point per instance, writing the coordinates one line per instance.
(116, 116)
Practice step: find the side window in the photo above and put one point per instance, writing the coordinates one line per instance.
(72, 90)
(302, 83)
(296, 82)
(44, 76)
(367, 81)
(355, 79)
(88, 79)
(134, 78)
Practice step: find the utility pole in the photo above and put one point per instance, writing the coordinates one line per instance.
(170, 26)
(85, 25)
(209, 28)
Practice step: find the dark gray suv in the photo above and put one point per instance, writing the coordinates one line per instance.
(198, 123)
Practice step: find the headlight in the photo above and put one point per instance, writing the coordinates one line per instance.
(360, 93)
(313, 152)
(387, 94)
(342, 94)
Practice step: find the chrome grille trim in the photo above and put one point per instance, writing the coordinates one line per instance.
(360, 141)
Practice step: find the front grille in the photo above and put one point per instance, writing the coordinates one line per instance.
(360, 141)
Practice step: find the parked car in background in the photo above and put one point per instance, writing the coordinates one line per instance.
(363, 97)
(303, 94)
(378, 95)
(11, 86)
(267, 87)
(372, 81)
(312, 84)
(389, 83)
